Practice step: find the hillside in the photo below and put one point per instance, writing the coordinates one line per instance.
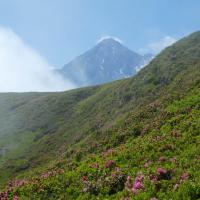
(136, 138)
(109, 60)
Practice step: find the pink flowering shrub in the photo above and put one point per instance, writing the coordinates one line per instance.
(135, 186)
(117, 169)
(116, 182)
(15, 197)
(10, 188)
(51, 173)
(89, 186)
(110, 164)
(154, 178)
(185, 176)
(7, 195)
(4, 195)
(163, 174)
(95, 165)
(162, 159)
(138, 184)
(146, 165)
(161, 171)
(110, 181)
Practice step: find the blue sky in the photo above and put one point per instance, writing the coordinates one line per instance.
(59, 30)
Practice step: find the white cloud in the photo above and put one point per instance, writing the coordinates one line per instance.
(158, 46)
(104, 37)
(161, 44)
(22, 69)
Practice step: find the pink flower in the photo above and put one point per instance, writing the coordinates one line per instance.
(95, 165)
(117, 169)
(128, 184)
(139, 178)
(85, 178)
(110, 163)
(138, 184)
(146, 165)
(164, 174)
(162, 159)
(154, 178)
(113, 175)
(161, 171)
(15, 197)
(129, 178)
(185, 176)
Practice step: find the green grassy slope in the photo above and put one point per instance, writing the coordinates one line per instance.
(28, 119)
(88, 141)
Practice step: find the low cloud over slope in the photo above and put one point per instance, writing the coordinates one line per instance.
(22, 69)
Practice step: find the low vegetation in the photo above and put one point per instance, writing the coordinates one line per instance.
(136, 138)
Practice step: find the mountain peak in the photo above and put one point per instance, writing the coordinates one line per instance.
(107, 61)
(109, 39)
(109, 44)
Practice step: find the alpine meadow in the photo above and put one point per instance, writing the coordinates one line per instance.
(135, 138)
(99, 100)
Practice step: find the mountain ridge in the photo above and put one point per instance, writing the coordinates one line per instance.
(107, 61)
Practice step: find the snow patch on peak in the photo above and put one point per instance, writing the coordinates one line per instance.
(106, 37)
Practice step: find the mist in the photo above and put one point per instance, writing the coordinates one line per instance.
(22, 69)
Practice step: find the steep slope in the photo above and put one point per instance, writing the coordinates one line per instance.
(102, 135)
(29, 118)
(109, 60)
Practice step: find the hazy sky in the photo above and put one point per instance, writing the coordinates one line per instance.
(38, 35)
(61, 29)
(22, 69)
